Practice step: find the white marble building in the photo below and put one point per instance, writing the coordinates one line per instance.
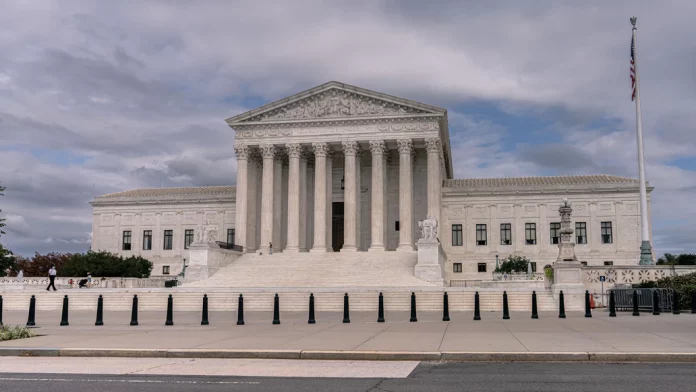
(338, 168)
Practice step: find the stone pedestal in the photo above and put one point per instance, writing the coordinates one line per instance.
(205, 259)
(431, 261)
(567, 276)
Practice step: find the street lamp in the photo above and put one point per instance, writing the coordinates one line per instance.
(496, 262)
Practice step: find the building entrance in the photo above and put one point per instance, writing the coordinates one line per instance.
(337, 226)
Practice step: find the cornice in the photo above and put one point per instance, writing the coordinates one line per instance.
(337, 121)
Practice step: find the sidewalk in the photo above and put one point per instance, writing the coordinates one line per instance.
(520, 338)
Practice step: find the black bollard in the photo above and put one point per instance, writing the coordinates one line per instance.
(693, 301)
(0, 310)
(380, 310)
(675, 304)
(413, 308)
(535, 313)
(311, 310)
(31, 322)
(588, 311)
(506, 311)
(134, 311)
(240, 311)
(204, 316)
(276, 309)
(445, 308)
(635, 303)
(656, 303)
(346, 309)
(561, 305)
(612, 304)
(64, 314)
(477, 307)
(100, 311)
(170, 311)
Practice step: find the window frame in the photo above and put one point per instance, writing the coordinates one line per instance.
(484, 265)
(232, 233)
(506, 233)
(457, 229)
(165, 270)
(457, 268)
(608, 263)
(581, 226)
(168, 239)
(555, 228)
(607, 232)
(188, 238)
(530, 231)
(127, 235)
(481, 232)
(147, 239)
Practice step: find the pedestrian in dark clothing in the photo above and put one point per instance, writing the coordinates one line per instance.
(52, 278)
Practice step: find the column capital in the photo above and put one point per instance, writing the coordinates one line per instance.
(432, 144)
(377, 147)
(405, 146)
(268, 151)
(320, 149)
(241, 151)
(294, 150)
(350, 147)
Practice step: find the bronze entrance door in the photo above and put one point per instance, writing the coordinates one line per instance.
(337, 226)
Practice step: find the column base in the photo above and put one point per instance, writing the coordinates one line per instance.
(295, 249)
(318, 250)
(645, 253)
(349, 248)
(377, 248)
(405, 248)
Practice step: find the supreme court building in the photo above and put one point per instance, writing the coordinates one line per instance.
(339, 168)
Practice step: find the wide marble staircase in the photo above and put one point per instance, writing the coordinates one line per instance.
(334, 269)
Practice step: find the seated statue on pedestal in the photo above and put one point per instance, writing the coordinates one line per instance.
(428, 228)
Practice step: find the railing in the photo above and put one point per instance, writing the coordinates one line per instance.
(623, 298)
(518, 276)
(465, 282)
(97, 282)
(225, 245)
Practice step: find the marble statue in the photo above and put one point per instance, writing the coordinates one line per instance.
(428, 228)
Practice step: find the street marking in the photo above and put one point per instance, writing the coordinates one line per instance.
(128, 381)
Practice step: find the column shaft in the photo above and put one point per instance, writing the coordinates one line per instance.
(320, 150)
(303, 203)
(293, 197)
(240, 221)
(377, 148)
(278, 205)
(405, 195)
(268, 153)
(432, 146)
(350, 197)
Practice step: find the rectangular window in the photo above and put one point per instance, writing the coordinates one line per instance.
(530, 233)
(580, 232)
(583, 263)
(230, 236)
(168, 235)
(396, 226)
(606, 233)
(188, 238)
(481, 235)
(481, 267)
(147, 240)
(505, 234)
(165, 270)
(457, 235)
(533, 264)
(127, 240)
(555, 232)
(608, 263)
(457, 267)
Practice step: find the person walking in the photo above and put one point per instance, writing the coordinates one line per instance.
(20, 276)
(52, 278)
(270, 248)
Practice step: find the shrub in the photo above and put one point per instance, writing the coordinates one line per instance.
(682, 284)
(15, 332)
(513, 264)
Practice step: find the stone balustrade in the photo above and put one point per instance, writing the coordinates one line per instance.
(12, 283)
(628, 275)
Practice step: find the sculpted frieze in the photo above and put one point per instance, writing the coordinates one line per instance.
(317, 129)
(335, 103)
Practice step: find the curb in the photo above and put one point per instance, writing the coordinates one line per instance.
(448, 356)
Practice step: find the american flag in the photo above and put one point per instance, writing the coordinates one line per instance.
(633, 68)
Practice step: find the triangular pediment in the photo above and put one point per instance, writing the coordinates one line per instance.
(334, 100)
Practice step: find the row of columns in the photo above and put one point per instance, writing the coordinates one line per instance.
(270, 207)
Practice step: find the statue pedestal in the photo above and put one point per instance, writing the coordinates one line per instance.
(567, 276)
(205, 259)
(431, 261)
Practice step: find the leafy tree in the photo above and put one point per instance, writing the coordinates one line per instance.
(8, 264)
(683, 284)
(683, 259)
(40, 264)
(513, 264)
(668, 259)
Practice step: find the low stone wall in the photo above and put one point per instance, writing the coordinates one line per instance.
(624, 276)
(30, 283)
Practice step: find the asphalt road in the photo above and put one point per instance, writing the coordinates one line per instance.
(426, 377)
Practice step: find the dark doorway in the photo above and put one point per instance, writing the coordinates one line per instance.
(337, 226)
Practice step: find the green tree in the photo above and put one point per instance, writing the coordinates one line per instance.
(667, 259)
(513, 264)
(682, 259)
(8, 264)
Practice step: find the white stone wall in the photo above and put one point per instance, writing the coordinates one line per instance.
(109, 223)
(621, 208)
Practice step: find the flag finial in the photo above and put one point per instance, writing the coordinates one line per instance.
(633, 21)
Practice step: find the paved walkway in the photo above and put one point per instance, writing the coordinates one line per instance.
(647, 333)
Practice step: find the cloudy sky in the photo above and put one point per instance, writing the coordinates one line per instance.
(98, 97)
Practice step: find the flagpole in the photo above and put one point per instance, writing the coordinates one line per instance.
(645, 247)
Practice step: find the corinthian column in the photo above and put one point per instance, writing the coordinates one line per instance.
(405, 195)
(433, 147)
(377, 148)
(320, 150)
(268, 154)
(294, 151)
(350, 148)
(240, 220)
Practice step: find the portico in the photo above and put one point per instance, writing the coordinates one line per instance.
(378, 158)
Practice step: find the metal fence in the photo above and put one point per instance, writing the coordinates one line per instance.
(623, 299)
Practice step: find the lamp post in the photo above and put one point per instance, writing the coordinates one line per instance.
(496, 262)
